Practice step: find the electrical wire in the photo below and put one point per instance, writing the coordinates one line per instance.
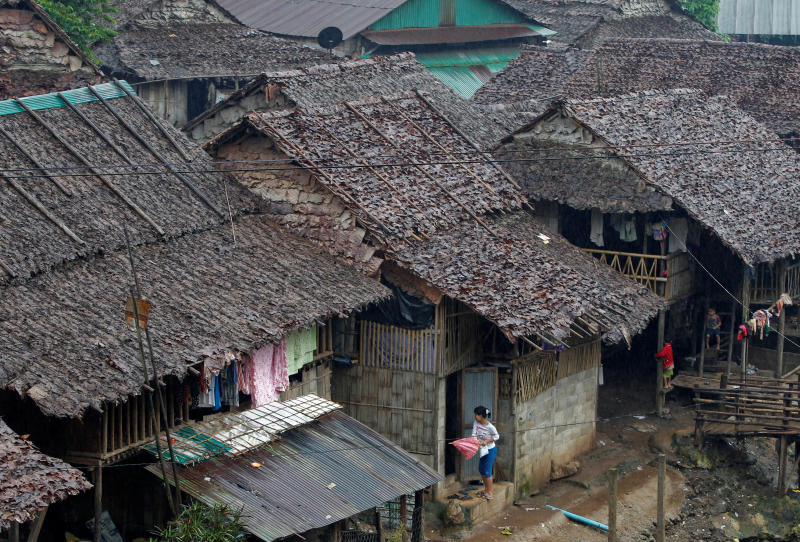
(334, 166)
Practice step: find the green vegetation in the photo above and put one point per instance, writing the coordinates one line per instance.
(704, 11)
(199, 523)
(85, 21)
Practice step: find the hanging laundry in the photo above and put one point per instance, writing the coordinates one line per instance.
(744, 332)
(596, 235)
(300, 347)
(625, 227)
(782, 302)
(217, 392)
(262, 384)
(207, 389)
(660, 231)
(680, 230)
(280, 369)
(230, 390)
(245, 375)
(762, 322)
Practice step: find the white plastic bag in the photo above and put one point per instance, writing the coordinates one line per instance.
(484, 451)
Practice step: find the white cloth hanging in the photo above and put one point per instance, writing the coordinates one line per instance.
(679, 231)
(596, 235)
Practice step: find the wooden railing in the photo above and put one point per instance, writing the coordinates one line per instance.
(668, 276)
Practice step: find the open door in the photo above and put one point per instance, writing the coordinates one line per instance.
(478, 387)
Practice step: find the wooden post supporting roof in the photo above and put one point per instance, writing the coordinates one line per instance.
(745, 316)
(732, 336)
(98, 502)
(659, 372)
(781, 321)
(701, 369)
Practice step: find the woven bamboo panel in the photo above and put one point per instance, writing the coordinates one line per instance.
(579, 358)
(394, 347)
(535, 374)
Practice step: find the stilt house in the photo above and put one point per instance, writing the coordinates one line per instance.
(491, 307)
(682, 192)
(224, 286)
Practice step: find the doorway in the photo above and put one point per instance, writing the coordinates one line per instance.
(478, 388)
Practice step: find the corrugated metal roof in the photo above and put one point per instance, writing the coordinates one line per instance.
(39, 102)
(467, 70)
(313, 476)
(432, 13)
(449, 34)
(239, 432)
(307, 17)
(778, 17)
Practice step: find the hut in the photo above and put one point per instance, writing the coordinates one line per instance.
(490, 306)
(683, 192)
(220, 287)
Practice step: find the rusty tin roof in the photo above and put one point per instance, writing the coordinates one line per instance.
(314, 476)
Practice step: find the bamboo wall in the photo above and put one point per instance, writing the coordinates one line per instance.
(397, 404)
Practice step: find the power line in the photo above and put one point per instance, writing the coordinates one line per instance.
(333, 166)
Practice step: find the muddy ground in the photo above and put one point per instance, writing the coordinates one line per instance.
(724, 492)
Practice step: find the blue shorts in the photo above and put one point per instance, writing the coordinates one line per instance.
(487, 463)
(712, 332)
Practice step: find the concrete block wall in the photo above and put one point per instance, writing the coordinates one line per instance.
(555, 426)
(301, 204)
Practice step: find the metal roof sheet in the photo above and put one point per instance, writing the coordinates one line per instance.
(239, 432)
(449, 34)
(467, 70)
(78, 96)
(307, 17)
(778, 17)
(312, 477)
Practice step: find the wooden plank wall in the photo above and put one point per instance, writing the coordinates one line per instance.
(397, 404)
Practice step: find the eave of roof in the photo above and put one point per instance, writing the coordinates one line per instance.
(449, 34)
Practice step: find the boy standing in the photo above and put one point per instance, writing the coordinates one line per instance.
(713, 326)
(669, 363)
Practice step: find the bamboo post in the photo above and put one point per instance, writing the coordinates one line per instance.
(13, 532)
(701, 367)
(781, 321)
(612, 505)
(36, 526)
(378, 524)
(745, 316)
(732, 336)
(98, 502)
(404, 516)
(662, 472)
(659, 372)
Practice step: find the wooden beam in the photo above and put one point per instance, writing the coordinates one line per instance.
(36, 525)
(98, 503)
(659, 373)
(781, 320)
(745, 316)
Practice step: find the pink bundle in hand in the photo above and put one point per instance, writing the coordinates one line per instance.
(467, 446)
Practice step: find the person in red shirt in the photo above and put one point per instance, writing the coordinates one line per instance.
(669, 363)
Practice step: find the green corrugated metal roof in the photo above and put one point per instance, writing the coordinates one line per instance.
(428, 13)
(541, 30)
(108, 91)
(452, 66)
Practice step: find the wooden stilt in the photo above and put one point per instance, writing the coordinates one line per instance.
(13, 532)
(701, 369)
(98, 503)
(783, 445)
(659, 371)
(745, 316)
(732, 336)
(662, 475)
(781, 321)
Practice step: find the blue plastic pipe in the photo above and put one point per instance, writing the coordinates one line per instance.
(576, 517)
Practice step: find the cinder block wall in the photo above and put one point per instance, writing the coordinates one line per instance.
(554, 427)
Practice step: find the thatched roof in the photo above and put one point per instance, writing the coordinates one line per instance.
(201, 50)
(63, 339)
(434, 217)
(30, 481)
(727, 171)
(330, 84)
(760, 79)
(588, 23)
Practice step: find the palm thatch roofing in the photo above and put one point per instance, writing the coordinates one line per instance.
(63, 339)
(760, 79)
(326, 85)
(30, 481)
(201, 51)
(725, 169)
(432, 213)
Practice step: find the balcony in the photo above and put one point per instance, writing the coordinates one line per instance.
(668, 276)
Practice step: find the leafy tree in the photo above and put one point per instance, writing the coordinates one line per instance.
(85, 21)
(199, 523)
(704, 11)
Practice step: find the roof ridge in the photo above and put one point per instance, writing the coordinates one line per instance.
(640, 94)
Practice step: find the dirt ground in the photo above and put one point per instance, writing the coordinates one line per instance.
(724, 492)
